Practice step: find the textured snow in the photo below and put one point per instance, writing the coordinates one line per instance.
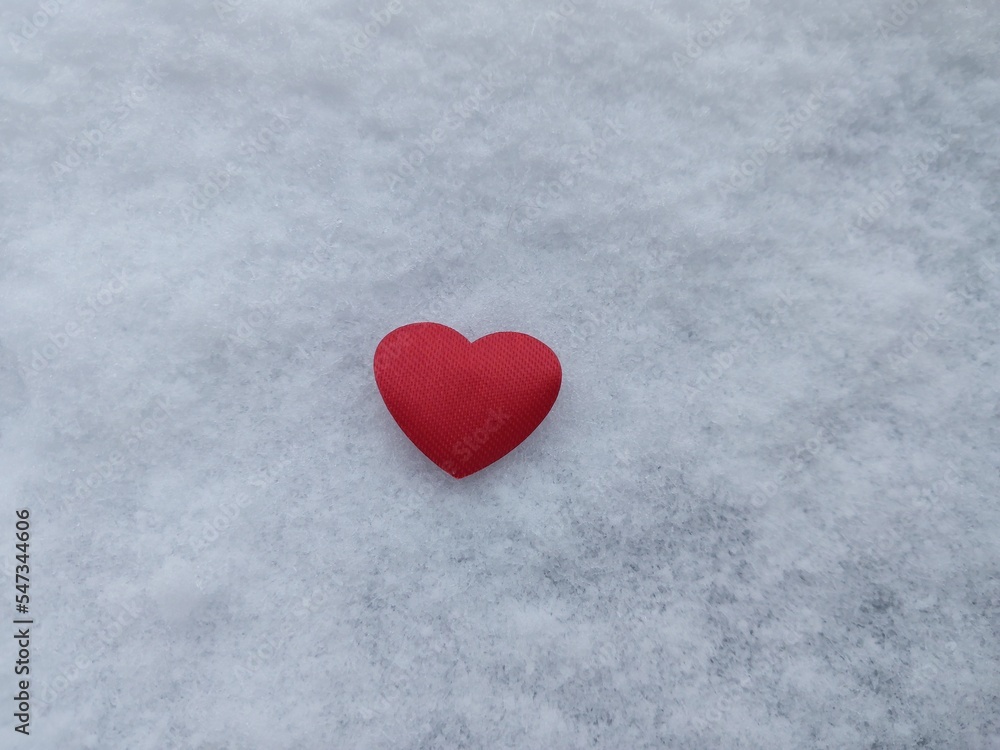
(761, 236)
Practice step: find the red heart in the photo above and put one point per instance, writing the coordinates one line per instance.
(465, 405)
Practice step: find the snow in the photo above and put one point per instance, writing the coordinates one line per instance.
(762, 239)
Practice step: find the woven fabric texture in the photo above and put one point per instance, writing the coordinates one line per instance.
(465, 404)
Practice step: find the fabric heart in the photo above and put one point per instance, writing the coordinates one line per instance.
(465, 404)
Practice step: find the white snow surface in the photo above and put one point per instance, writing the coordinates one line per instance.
(761, 236)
